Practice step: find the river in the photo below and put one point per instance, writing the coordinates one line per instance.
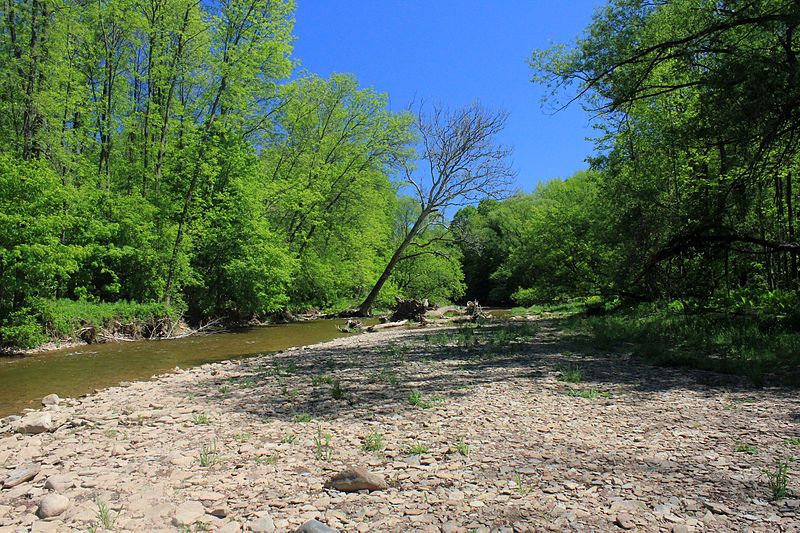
(72, 372)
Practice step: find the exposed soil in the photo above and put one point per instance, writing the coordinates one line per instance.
(650, 449)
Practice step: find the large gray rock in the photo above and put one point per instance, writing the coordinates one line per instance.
(33, 423)
(355, 478)
(21, 474)
(315, 526)
(51, 399)
(52, 505)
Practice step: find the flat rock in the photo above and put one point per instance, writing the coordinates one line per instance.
(263, 524)
(188, 513)
(355, 478)
(21, 475)
(59, 482)
(315, 526)
(34, 423)
(625, 521)
(52, 505)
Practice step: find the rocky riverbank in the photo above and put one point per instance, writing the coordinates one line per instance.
(449, 430)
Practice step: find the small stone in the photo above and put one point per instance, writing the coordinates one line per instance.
(625, 521)
(355, 478)
(718, 508)
(34, 423)
(315, 526)
(59, 483)
(681, 528)
(21, 475)
(188, 513)
(51, 399)
(263, 524)
(52, 505)
(230, 527)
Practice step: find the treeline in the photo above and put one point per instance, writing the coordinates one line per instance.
(693, 192)
(157, 151)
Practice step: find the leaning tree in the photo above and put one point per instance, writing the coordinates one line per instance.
(465, 163)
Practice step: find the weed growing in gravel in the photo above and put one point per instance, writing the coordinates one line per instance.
(416, 399)
(589, 394)
(570, 374)
(778, 479)
(795, 441)
(323, 450)
(302, 418)
(288, 438)
(200, 418)
(271, 459)
(416, 449)
(284, 369)
(386, 375)
(224, 389)
(321, 379)
(521, 485)
(208, 455)
(746, 448)
(111, 433)
(337, 391)
(242, 437)
(459, 447)
(373, 442)
(104, 517)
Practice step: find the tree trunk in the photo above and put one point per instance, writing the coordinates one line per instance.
(366, 307)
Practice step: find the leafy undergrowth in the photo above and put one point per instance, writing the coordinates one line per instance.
(759, 345)
(60, 319)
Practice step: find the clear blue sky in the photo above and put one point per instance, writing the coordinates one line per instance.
(455, 51)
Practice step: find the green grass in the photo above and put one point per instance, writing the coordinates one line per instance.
(104, 516)
(778, 479)
(271, 459)
(373, 442)
(794, 441)
(557, 309)
(337, 392)
(756, 345)
(303, 418)
(322, 379)
(289, 438)
(208, 455)
(224, 389)
(746, 448)
(323, 450)
(416, 399)
(200, 418)
(460, 447)
(241, 438)
(570, 374)
(521, 485)
(416, 449)
(385, 375)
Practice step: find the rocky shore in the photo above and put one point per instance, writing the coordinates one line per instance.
(408, 430)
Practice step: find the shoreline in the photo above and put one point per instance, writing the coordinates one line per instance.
(242, 444)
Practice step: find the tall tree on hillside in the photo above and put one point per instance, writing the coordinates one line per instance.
(465, 163)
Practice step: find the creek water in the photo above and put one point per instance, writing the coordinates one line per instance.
(75, 371)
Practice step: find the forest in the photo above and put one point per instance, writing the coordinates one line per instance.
(165, 156)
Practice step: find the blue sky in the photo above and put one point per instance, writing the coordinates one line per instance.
(454, 51)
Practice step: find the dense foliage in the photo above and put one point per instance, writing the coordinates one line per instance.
(160, 151)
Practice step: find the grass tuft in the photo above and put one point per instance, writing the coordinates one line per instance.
(373, 442)
(778, 479)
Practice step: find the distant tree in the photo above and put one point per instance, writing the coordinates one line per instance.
(465, 163)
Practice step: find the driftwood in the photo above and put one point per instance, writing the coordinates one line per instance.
(386, 325)
(411, 309)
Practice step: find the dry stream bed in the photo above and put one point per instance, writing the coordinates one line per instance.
(472, 430)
